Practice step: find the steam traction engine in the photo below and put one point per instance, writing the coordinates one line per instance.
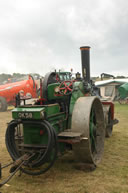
(68, 115)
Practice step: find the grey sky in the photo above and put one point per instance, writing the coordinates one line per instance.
(39, 36)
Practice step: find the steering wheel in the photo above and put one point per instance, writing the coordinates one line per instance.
(65, 87)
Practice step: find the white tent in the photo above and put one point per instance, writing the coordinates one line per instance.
(109, 88)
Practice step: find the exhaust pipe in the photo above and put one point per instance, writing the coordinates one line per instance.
(85, 60)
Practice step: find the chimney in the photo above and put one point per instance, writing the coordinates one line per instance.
(85, 60)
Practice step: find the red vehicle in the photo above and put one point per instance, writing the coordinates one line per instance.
(9, 91)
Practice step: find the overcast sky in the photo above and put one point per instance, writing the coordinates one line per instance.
(37, 36)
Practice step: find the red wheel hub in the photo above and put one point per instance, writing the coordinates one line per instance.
(66, 86)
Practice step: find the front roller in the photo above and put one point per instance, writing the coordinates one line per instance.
(88, 119)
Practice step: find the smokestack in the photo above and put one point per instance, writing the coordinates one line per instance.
(85, 60)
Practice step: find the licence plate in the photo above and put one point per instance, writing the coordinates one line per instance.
(25, 115)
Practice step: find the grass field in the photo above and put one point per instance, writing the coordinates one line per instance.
(111, 176)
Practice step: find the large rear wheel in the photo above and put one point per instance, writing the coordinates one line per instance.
(88, 118)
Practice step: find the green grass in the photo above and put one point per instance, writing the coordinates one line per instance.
(111, 176)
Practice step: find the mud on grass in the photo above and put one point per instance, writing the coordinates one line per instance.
(111, 176)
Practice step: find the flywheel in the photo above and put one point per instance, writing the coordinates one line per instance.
(88, 119)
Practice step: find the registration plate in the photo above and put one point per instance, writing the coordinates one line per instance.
(25, 115)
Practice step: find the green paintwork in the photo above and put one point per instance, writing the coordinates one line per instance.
(32, 134)
(51, 113)
(51, 109)
(37, 112)
(123, 90)
(78, 91)
(51, 92)
(25, 112)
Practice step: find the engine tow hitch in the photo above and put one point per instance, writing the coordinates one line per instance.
(16, 165)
